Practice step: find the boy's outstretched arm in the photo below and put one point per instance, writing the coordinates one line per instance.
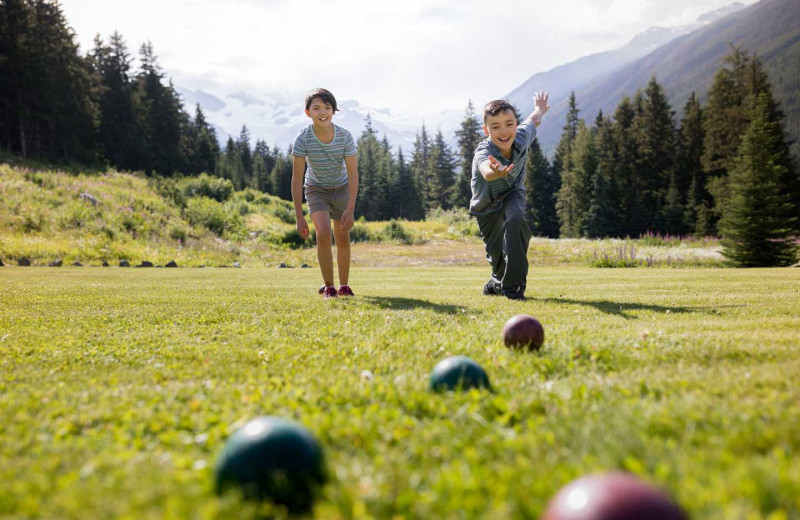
(348, 218)
(540, 101)
(492, 169)
(298, 171)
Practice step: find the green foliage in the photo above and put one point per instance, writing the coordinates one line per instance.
(394, 230)
(206, 186)
(361, 233)
(203, 211)
(758, 218)
(469, 135)
(130, 384)
(541, 190)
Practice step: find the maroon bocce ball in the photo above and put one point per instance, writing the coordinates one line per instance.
(523, 331)
(612, 496)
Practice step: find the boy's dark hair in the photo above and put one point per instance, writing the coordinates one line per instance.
(323, 95)
(493, 108)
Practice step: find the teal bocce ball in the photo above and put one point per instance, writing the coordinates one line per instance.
(458, 373)
(274, 459)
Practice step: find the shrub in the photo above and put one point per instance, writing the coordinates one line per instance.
(177, 232)
(361, 233)
(214, 188)
(394, 230)
(211, 214)
(283, 212)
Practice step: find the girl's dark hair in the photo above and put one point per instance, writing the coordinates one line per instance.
(493, 108)
(323, 95)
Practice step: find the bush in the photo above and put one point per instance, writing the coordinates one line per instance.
(361, 233)
(394, 230)
(283, 212)
(214, 188)
(169, 189)
(290, 238)
(212, 215)
(177, 232)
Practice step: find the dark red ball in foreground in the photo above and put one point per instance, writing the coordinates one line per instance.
(612, 496)
(523, 331)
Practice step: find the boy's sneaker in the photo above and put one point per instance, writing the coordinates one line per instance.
(329, 292)
(515, 293)
(492, 288)
(345, 290)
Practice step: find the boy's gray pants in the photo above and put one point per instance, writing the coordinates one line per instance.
(506, 236)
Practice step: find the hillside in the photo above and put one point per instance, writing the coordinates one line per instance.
(47, 215)
(566, 78)
(688, 63)
(195, 221)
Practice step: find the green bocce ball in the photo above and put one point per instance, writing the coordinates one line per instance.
(272, 459)
(458, 373)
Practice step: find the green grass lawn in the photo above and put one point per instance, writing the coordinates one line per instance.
(119, 387)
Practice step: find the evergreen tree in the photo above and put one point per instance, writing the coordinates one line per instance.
(604, 217)
(229, 165)
(690, 169)
(165, 123)
(626, 166)
(564, 147)
(384, 180)
(674, 209)
(120, 132)
(204, 145)
(405, 199)
(421, 169)
(370, 202)
(759, 218)
(577, 183)
(656, 146)
(541, 192)
(263, 162)
(48, 93)
(246, 158)
(443, 177)
(469, 136)
(281, 175)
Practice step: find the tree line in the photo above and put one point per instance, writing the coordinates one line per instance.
(637, 171)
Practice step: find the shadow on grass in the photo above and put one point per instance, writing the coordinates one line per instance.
(395, 304)
(622, 308)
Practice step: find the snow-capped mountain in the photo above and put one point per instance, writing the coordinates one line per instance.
(278, 116)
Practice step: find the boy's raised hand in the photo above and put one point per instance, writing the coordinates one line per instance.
(541, 102)
(498, 168)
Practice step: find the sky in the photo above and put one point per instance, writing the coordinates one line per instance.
(413, 56)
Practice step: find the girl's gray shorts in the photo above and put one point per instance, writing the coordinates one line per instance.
(332, 200)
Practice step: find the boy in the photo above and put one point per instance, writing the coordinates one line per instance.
(498, 193)
(331, 185)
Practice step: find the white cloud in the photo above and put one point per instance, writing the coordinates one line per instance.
(415, 56)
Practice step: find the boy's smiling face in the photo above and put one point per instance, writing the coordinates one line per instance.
(320, 112)
(501, 129)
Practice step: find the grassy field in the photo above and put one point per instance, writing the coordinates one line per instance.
(119, 387)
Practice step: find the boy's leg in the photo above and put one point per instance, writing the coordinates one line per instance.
(516, 238)
(342, 237)
(322, 225)
(491, 229)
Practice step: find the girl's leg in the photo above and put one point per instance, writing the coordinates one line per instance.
(342, 252)
(322, 225)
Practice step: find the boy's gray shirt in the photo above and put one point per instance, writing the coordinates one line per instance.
(487, 196)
